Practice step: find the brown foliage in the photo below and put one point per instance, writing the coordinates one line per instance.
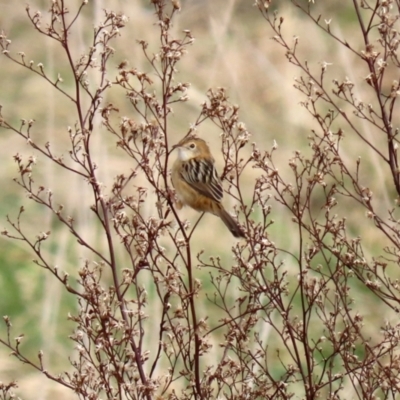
(279, 324)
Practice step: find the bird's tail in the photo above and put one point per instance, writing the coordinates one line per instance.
(231, 224)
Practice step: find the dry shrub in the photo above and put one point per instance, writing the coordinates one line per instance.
(159, 317)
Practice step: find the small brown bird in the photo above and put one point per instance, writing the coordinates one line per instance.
(196, 181)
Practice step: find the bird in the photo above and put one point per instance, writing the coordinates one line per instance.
(197, 183)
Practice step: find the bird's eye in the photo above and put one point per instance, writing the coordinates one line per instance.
(192, 146)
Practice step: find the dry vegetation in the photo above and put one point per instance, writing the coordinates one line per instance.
(127, 297)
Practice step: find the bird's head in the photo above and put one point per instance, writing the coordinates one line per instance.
(191, 147)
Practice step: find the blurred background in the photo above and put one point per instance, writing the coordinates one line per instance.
(232, 49)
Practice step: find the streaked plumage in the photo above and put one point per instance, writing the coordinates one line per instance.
(202, 176)
(197, 183)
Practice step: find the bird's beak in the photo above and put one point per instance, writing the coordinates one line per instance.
(175, 146)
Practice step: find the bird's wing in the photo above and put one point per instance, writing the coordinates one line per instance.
(202, 176)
